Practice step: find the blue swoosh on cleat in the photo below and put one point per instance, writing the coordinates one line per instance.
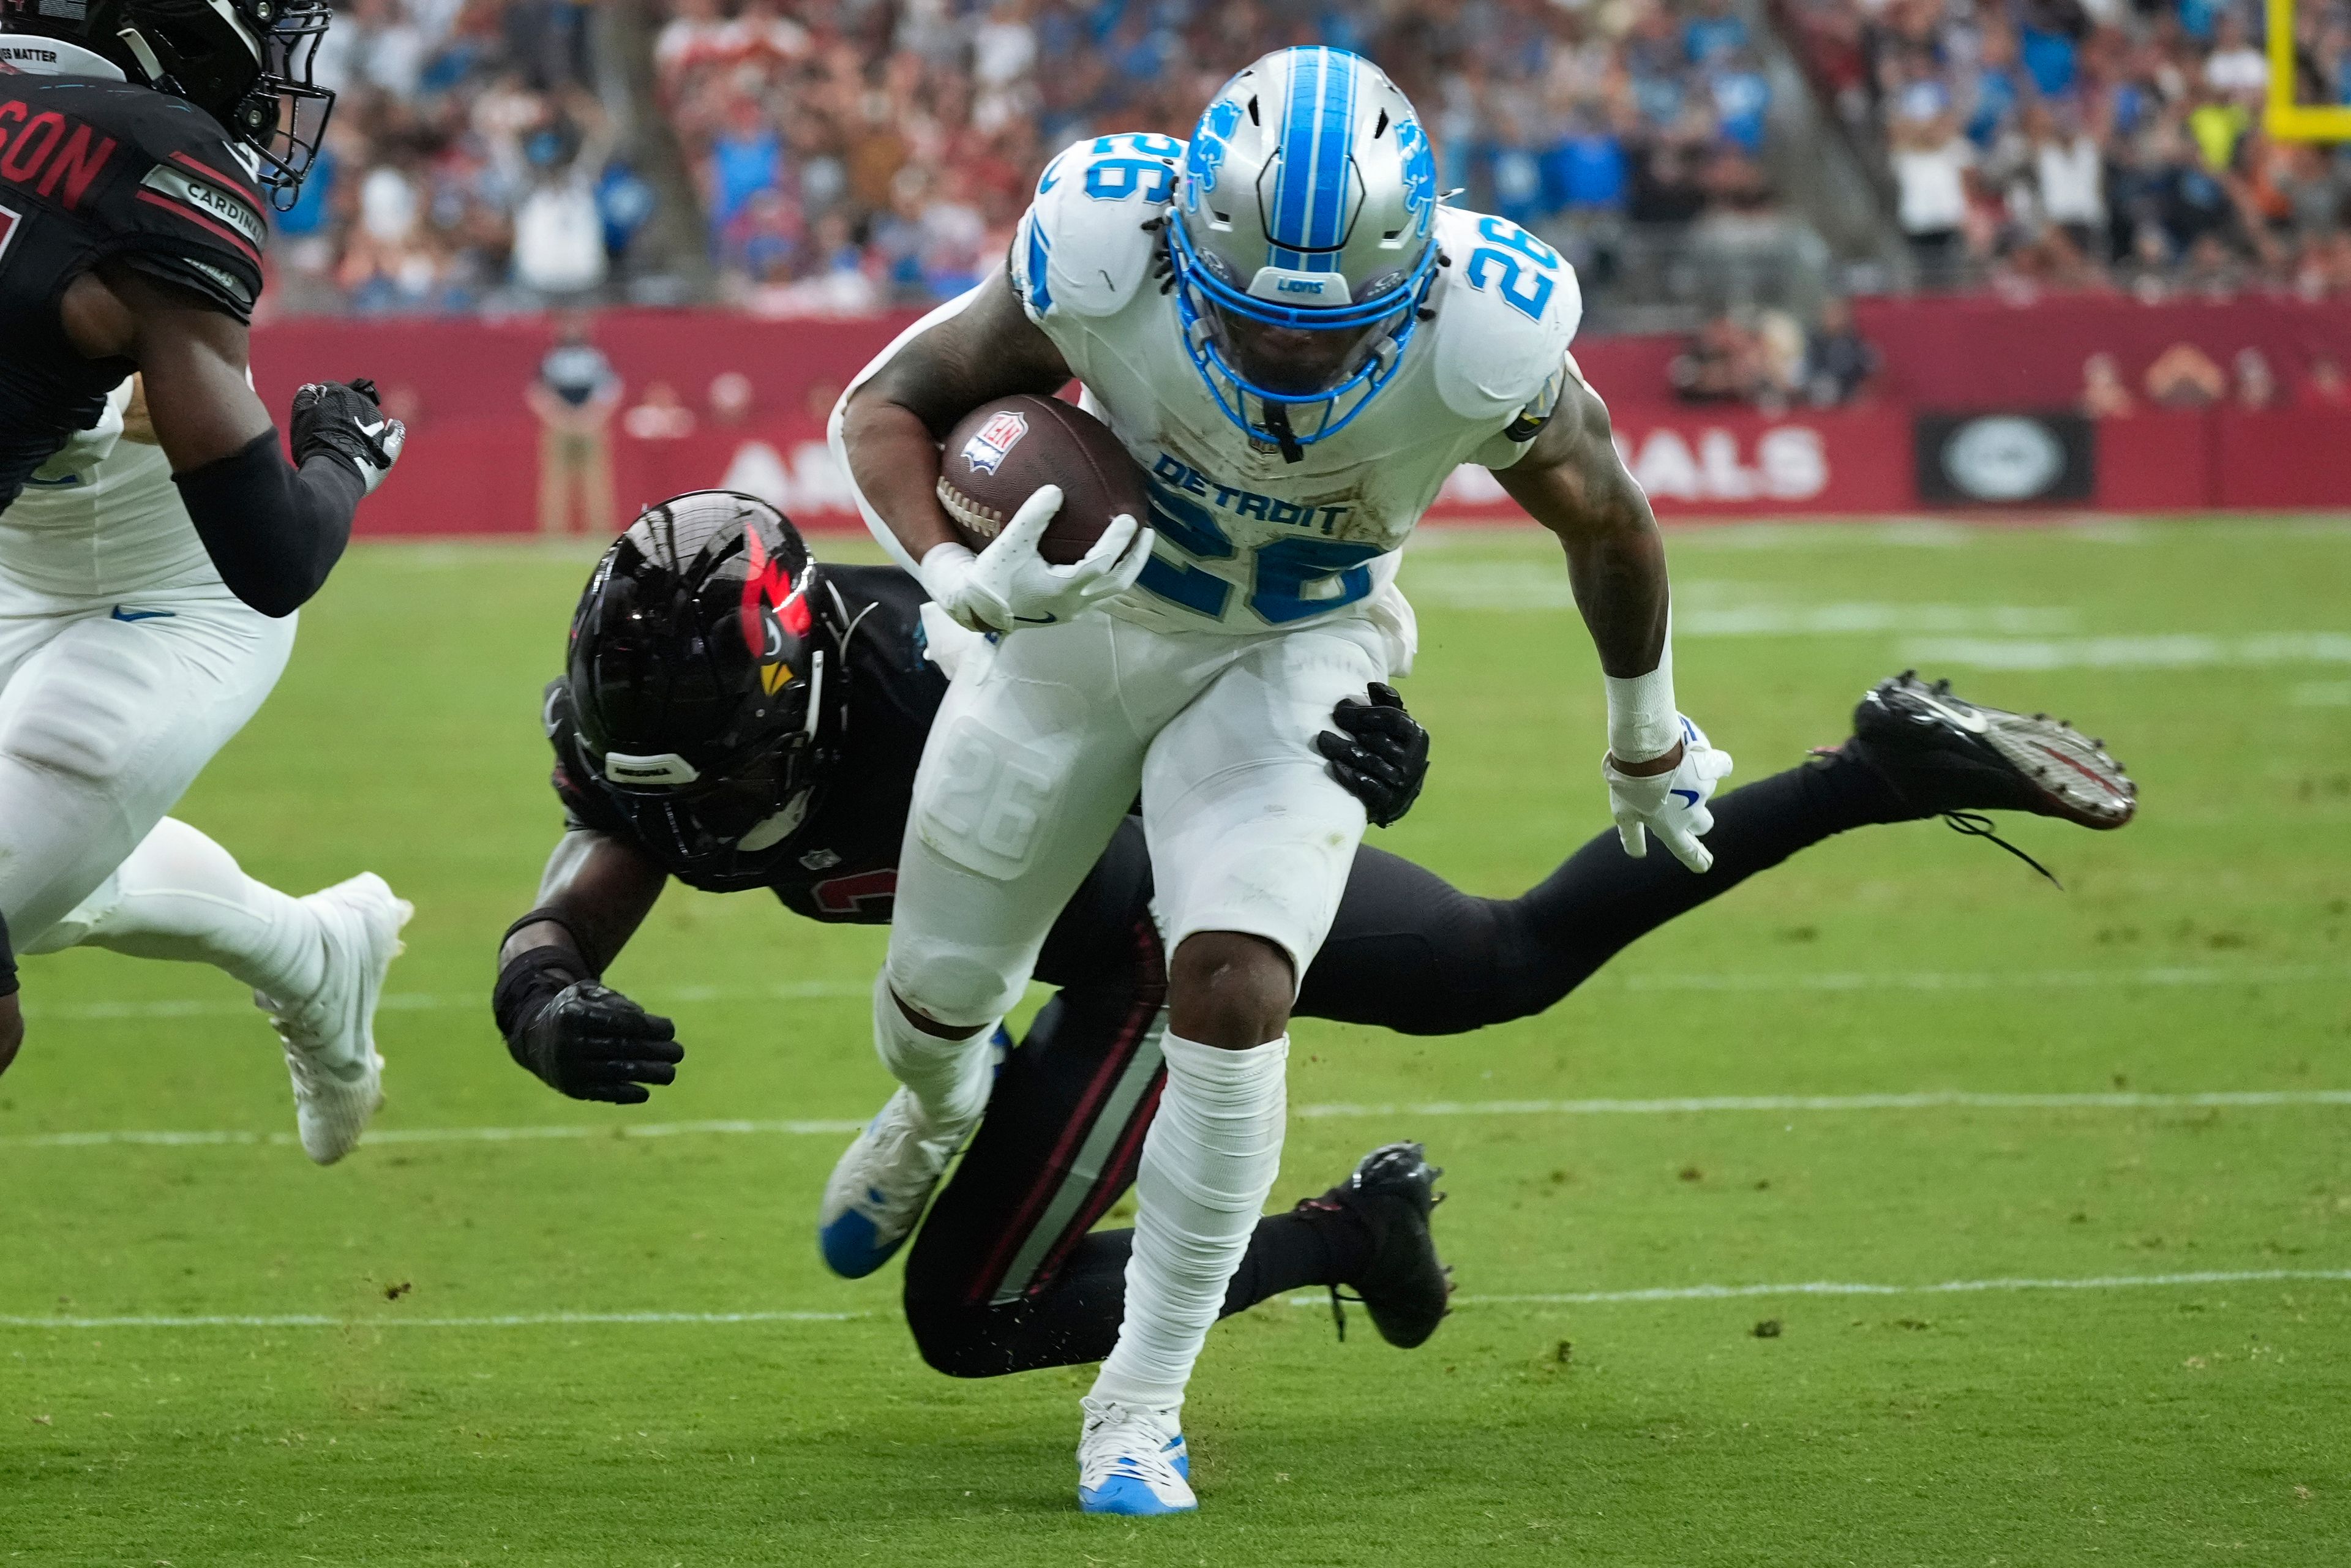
(122, 614)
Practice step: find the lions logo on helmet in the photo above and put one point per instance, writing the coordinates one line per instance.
(1307, 209)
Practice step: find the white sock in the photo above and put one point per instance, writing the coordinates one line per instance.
(949, 1078)
(180, 896)
(1208, 1164)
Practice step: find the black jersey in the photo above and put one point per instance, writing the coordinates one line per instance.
(841, 863)
(95, 170)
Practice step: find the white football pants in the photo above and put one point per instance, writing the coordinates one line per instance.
(1040, 750)
(108, 709)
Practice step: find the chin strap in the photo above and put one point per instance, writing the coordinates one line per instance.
(1277, 420)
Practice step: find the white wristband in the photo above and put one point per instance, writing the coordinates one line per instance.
(1643, 724)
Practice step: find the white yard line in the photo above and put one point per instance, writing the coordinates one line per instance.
(1846, 1288)
(1931, 1100)
(1562, 1299)
(2184, 651)
(1925, 1100)
(1832, 980)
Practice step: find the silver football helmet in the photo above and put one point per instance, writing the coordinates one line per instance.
(1301, 241)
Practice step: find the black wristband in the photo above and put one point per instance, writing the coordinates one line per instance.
(273, 532)
(7, 961)
(550, 916)
(528, 982)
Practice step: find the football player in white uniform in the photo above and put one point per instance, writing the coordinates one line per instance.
(124, 665)
(1298, 344)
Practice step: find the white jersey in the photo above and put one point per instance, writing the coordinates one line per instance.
(102, 518)
(1249, 540)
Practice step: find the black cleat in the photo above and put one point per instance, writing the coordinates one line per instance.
(1947, 757)
(1403, 1286)
(1942, 753)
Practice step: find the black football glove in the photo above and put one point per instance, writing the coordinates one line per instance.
(344, 419)
(1382, 757)
(593, 1043)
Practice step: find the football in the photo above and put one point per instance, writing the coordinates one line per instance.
(1002, 451)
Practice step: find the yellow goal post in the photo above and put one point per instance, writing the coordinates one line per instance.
(2284, 118)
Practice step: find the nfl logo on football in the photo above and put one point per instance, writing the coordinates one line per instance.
(995, 441)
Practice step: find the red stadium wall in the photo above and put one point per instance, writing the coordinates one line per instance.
(471, 463)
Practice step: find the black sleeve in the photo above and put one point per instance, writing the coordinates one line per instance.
(273, 532)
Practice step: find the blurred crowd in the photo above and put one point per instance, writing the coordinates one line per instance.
(2088, 144)
(851, 153)
(1770, 360)
(469, 163)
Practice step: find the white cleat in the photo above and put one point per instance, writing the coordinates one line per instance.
(330, 1037)
(880, 1187)
(1132, 1461)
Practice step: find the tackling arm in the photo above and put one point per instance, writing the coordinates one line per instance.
(580, 1038)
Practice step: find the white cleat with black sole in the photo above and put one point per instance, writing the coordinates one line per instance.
(329, 1036)
(1132, 1461)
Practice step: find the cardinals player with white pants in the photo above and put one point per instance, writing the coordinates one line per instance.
(124, 666)
(1298, 344)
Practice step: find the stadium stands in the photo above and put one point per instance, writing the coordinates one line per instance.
(835, 157)
(470, 163)
(2071, 144)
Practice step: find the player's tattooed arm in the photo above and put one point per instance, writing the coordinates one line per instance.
(579, 1036)
(892, 424)
(1571, 481)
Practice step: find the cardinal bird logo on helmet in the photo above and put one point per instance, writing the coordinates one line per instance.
(775, 614)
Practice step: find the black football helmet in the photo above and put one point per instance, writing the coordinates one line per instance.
(706, 684)
(246, 63)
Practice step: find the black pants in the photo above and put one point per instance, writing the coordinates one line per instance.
(1007, 1273)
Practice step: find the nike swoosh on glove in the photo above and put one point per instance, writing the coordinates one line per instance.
(593, 1043)
(345, 418)
(1009, 585)
(1670, 805)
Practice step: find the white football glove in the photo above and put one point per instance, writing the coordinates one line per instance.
(1009, 585)
(1670, 805)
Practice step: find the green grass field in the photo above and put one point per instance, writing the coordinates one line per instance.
(1586, 1403)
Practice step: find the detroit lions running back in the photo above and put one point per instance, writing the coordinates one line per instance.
(1298, 344)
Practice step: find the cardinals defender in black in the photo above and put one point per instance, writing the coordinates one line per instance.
(737, 716)
(130, 239)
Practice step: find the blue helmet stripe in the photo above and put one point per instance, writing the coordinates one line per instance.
(1332, 167)
(1294, 184)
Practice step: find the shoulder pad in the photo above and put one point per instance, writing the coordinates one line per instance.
(162, 180)
(1508, 308)
(1081, 247)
